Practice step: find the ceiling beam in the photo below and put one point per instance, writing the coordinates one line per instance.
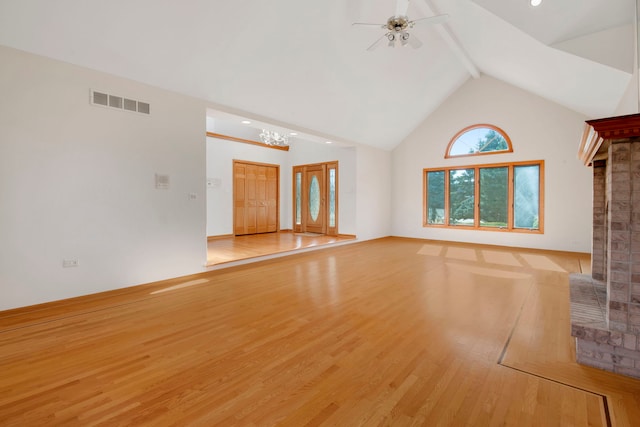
(445, 32)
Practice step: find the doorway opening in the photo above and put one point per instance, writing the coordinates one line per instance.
(315, 198)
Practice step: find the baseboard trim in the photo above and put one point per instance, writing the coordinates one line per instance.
(222, 236)
(347, 236)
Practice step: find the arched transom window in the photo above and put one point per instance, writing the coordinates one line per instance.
(479, 139)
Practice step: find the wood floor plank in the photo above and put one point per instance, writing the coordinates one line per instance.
(387, 332)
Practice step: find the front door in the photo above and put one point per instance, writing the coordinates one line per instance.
(315, 199)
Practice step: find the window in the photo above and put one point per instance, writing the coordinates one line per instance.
(494, 197)
(461, 196)
(479, 139)
(507, 196)
(298, 198)
(332, 195)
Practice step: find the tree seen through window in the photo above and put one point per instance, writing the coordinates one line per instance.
(479, 139)
(504, 196)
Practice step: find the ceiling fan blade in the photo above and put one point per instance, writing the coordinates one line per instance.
(369, 24)
(431, 20)
(414, 42)
(401, 7)
(377, 43)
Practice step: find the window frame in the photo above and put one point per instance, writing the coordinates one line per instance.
(453, 140)
(477, 182)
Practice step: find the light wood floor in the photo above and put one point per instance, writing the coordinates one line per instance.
(235, 248)
(388, 332)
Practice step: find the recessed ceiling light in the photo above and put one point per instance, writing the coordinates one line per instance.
(328, 142)
(293, 134)
(246, 122)
(535, 3)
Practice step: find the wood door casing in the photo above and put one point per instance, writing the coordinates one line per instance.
(255, 197)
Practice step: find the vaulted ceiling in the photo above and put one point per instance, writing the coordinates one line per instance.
(301, 65)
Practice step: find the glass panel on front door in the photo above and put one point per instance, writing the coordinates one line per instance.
(314, 198)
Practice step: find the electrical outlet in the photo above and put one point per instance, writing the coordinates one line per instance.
(71, 262)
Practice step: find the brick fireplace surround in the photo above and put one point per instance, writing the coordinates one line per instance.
(605, 306)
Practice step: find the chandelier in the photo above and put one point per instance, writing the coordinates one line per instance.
(270, 137)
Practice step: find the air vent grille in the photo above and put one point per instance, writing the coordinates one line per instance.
(130, 104)
(100, 98)
(115, 101)
(143, 107)
(118, 102)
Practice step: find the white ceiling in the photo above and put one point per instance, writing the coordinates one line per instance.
(301, 65)
(560, 20)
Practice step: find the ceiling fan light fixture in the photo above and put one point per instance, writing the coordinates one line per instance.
(398, 24)
(392, 38)
(404, 38)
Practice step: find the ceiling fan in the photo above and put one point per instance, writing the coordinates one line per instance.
(397, 27)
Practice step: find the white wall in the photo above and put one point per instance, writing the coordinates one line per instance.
(373, 193)
(539, 129)
(77, 181)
